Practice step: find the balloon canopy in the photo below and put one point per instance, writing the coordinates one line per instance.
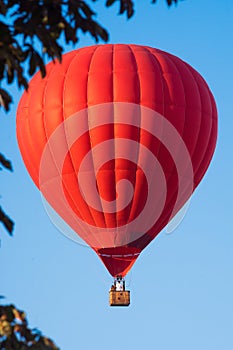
(117, 138)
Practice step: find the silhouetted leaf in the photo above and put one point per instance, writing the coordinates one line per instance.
(5, 162)
(5, 99)
(6, 221)
(127, 6)
(32, 64)
(3, 8)
(41, 64)
(170, 2)
(110, 2)
(86, 9)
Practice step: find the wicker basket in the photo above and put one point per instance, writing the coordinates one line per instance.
(119, 298)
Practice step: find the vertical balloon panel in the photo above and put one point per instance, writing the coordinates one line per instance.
(117, 138)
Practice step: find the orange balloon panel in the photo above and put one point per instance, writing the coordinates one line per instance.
(117, 137)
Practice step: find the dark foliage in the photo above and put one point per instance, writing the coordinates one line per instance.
(6, 221)
(4, 218)
(31, 30)
(26, 24)
(15, 333)
(5, 163)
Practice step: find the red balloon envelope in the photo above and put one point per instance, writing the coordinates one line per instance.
(117, 137)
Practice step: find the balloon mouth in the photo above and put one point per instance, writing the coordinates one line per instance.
(80, 190)
(118, 260)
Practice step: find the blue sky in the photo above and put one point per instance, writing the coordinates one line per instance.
(182, 284)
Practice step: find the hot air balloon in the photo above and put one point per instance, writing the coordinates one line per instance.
(117, 138)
